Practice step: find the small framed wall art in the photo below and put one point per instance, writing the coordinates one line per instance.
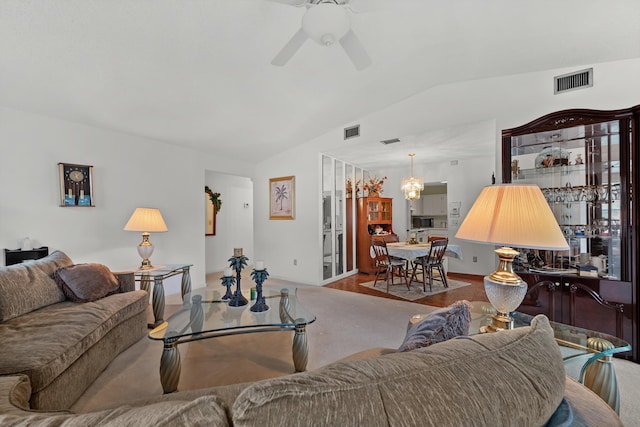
(76, 185)
(281, 197)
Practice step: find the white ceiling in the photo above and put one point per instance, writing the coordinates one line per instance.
(197, 72)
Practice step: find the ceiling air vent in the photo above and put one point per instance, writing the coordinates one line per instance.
(573, 81)
(351, 132)
(390, 141)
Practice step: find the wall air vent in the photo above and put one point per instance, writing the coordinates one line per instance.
(390, 141)
(573, 81)
(351, 132)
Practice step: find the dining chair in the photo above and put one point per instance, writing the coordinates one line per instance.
(394, 238)
(384, 264)
(430, 262)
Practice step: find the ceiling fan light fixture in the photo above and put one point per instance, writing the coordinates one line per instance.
(326, 23)
(413, 185)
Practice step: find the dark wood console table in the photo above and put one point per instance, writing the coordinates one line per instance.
(16, 256)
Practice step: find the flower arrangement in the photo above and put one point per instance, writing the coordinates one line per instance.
(349, 187)
(374, 184)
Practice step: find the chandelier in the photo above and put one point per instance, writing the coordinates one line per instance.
(412, 185)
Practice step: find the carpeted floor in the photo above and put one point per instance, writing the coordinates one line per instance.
(346, 323)
(399, 288)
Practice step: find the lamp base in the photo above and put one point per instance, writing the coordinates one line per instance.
(145, 250)
(505, 290)
(499, 322)
(146, 264)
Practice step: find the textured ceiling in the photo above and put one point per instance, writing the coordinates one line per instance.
(197, 72)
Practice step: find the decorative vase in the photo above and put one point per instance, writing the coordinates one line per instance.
(374, 194)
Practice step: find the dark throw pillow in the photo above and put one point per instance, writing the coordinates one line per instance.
(86, 282)
(440, 325)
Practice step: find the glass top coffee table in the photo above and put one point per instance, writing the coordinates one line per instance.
(204, 315)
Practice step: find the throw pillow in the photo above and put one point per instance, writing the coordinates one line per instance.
(440, 325)
(86, 282)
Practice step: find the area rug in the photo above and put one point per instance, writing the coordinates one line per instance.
(399, 289)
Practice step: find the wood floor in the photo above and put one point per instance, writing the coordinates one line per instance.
(475, 292)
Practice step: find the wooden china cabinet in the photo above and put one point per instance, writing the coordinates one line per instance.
(373, 212)
(587, 167)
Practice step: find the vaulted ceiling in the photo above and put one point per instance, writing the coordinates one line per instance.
(198, 73)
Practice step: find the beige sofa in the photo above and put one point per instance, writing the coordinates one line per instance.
(60, 345)
(512, 378)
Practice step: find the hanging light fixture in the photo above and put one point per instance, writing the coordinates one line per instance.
(412, 185)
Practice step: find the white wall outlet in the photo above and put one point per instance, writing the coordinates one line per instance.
(295, 261)
(475, 259)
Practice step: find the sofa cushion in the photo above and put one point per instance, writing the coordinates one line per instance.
(86, 282)
(30, 285)
(440, 325)
(450, 383)
(203, 411)
(66, 330)
(15, 391)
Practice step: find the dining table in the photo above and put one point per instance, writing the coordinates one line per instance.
(410, 251)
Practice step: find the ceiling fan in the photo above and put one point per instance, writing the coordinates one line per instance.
(325, 22)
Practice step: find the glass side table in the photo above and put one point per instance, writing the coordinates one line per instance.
(586, 353)
(158, 274)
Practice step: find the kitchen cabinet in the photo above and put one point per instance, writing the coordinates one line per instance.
(373, 212)
(581, 160)
(434, 204)
(417, 206)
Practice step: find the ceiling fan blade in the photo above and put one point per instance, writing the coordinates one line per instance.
(290, 48)
(358, 6)
(291, 2)
(355, 50)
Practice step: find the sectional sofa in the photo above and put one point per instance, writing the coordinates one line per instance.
(61, 325)
(512, 378)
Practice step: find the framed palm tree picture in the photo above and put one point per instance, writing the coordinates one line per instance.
(281, 196)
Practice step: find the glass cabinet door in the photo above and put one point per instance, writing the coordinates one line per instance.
(373, 211)
(385, 210)
(578, 171)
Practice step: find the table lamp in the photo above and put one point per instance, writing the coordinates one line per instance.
(509, 216)
(147, 220)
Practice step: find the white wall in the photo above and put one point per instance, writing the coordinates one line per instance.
(129, 172)
(279, 242)
(234, 222)
(509, 101)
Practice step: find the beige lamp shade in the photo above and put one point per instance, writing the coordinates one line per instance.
(513, 215)
(146, 219)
